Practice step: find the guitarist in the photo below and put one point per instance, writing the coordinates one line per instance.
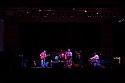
(42, 58)
(95, 60)
(68, 57)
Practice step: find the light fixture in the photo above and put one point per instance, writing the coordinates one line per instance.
(73, 8)
(39, 10)
(85, 10)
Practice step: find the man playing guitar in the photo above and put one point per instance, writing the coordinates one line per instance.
(68, 57)
(42, 58)
(95, 60)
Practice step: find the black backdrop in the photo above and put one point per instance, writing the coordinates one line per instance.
(34, 37)
(119, 39)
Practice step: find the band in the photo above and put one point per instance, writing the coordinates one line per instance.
(67, 59)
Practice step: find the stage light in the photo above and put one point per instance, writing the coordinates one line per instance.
(1, 20)
(85, 10)
(45, 16)
(73, 8)
(39, 10)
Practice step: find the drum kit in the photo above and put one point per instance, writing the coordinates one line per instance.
(58, 60)
(58, 57)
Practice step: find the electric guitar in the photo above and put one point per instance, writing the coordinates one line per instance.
(42, 56)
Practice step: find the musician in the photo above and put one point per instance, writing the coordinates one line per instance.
(95, 60)
(81, 57)
(76, 58)
(42, 58)
(68, 57)
(62, 55)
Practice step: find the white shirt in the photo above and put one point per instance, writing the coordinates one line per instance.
(96, 57)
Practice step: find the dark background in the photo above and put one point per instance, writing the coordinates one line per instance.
(119, 39)
(35, 37)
